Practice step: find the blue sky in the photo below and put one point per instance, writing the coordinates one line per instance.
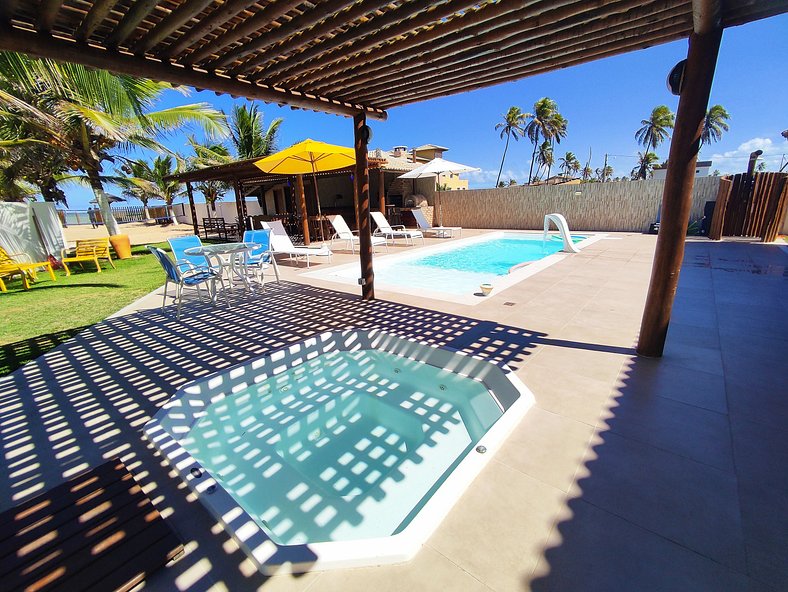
(604, 102)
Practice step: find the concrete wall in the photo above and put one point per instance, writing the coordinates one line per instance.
(620, 206)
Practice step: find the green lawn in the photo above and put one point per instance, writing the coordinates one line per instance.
(34, 321)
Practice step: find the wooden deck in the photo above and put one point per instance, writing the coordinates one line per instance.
(98, 531)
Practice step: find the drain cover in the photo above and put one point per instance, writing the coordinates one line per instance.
(509, 303)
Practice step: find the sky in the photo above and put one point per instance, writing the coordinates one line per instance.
(604, 102)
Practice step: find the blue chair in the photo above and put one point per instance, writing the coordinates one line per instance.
(262, 256)
(184, 261)
(190, 278)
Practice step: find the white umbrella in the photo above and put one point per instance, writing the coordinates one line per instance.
(435, 168)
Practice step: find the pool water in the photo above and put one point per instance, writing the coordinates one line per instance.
(460, 270)
(346, 446)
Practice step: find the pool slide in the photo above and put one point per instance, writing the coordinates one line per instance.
(563, 228)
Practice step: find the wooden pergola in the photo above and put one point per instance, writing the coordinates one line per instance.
(359, 58)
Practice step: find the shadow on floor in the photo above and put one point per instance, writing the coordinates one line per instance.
(14, 355)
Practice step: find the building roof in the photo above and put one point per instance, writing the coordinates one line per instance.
(700, 163)
(352, 56)
(431, 147)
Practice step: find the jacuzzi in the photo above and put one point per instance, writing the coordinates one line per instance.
(344, 450)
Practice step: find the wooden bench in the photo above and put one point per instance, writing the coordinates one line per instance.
(220, 228)
(10, 267)
(98, 531)
(88, 250)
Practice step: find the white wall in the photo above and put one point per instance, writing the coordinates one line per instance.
(224, 209)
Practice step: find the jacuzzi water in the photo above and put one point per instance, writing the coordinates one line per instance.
(461, 269)
(345, 446)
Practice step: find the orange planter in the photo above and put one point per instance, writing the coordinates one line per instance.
(122, 245)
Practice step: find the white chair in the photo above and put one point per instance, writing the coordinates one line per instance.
(394, 232)
(343, 232)
(439, 231)
(281, 244)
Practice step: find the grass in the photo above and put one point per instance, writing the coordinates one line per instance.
(34, 321)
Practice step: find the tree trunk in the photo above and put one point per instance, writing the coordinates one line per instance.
(502, 159)
(103, 202)
(533, 158)
(145, 212)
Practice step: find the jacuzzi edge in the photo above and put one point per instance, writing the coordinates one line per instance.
(339, 554)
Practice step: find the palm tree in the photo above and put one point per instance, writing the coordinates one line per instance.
(714, 124)
(546, 124)
(655, 128)
(604, 173)
(545, 157)
(645, 166)
(247, 133)
(88, 114)
(149, 181)
(511, 126)
(569, 163)
(208, 155)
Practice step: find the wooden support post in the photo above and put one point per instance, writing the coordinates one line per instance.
(238, 205)
(192, 209)
(382, 191)
(301, 198)
(362, 189)
(677, 194)
(355, 201)
(239, 192)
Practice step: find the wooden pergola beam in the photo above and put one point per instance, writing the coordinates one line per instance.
(262, 19)
(484, 23)
(138, 11)
(285, 31)
(221, 15)
(507, 43)
(677, 193)
(14, 39)
(48, 14)
(362, 190)
(171, 23)
(366, 36)
(706, 16)
(95, 16)
(520, 73)
(296, 42)
(495, 63)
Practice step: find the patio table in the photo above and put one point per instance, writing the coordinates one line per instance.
(234, 263)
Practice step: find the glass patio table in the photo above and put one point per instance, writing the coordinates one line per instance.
(230, 258)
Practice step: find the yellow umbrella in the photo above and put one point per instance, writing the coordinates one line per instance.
(305, 157)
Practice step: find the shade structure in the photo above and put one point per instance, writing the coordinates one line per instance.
(435, 168)
(309, 156)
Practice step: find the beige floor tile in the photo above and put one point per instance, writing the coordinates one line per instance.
(498, 529)
(429, 571)
(547, 446)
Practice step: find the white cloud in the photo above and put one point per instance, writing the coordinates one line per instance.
(735, 161)
(487, 177)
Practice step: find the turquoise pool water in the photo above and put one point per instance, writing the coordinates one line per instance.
(462, 269)
(348, 445)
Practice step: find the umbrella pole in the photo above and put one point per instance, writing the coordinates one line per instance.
(438, 200)
(317, 198)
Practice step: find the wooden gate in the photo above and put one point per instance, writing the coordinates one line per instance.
(750, 205)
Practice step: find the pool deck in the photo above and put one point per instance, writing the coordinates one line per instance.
(628, 474)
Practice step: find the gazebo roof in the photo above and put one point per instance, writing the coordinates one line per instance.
(346, 56)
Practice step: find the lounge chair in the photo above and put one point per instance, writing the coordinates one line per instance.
(262, 257)
(394, 232)
(343, 232)
(281, 244)
(10, 267)
(439, 231)
(88, 250)
(192, 277)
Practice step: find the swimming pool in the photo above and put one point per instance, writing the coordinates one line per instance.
(455, 271)
(346, 449)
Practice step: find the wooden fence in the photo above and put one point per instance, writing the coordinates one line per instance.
(750, 205)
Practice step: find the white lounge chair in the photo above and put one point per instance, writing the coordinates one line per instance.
(394, 232)
(281, 244)
(343, 232)
(439, 231)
